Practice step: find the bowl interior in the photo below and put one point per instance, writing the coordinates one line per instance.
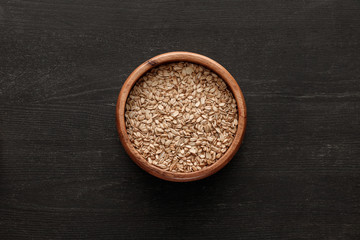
(180, 57)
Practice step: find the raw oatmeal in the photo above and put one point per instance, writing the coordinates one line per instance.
(181, 117)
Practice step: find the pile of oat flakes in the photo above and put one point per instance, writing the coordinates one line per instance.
(181, 117)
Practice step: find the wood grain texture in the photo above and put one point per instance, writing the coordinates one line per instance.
(65, 175)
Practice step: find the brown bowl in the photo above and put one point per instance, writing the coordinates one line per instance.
(179, 57)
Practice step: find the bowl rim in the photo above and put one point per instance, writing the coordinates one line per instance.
(180, 57)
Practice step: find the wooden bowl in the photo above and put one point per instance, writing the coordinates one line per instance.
(178, 57)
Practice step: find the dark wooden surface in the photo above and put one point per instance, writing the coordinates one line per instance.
(65, 175)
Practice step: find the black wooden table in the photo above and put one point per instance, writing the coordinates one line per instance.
(65, 175)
